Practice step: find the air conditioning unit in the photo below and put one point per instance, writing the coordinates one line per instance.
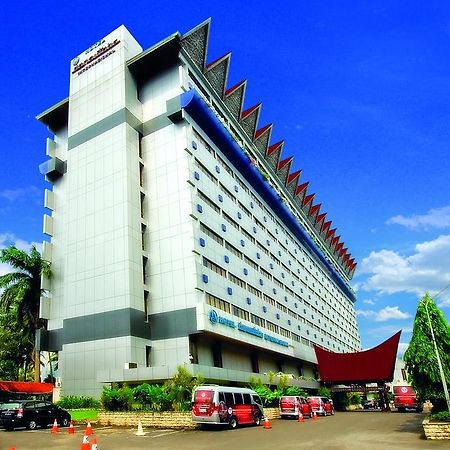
(130, 365)
(58, 382)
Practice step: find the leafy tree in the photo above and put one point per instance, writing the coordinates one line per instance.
(420, 357)
(324, 392)
(22, 291)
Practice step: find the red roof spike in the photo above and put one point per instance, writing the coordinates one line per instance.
(292, 176)
(335, 240)
(350, 262)
(339, 246)
(262, 130)
(284, 163)
(301, 187)
(248, 111)
(314, 209)
(345, 258)
(272, 148)
(218, 60)
(308, 199)
(320, 217)
(331, 233)
(326, 226)
(235, 87)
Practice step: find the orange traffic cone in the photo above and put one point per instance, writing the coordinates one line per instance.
(55, 428)
(88, 431)
(300, 417)
(94, 444)
(85, 445)
(314, 415)
(71, 429)
(267, 425)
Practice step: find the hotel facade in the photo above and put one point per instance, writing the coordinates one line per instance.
(179, 234)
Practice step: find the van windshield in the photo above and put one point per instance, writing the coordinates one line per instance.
(203, 396)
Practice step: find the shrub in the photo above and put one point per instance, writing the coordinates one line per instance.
(117, 399)
(443, 416)
(78, 402)
(153, 397)
(324, 392)
(295, 390)
(353, 398)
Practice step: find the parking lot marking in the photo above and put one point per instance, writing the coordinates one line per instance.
(166, 434)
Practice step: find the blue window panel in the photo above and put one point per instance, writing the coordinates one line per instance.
(261, 281)
(279, 252)
(254, 229)
(245, 271)
(194, 145)
(239, 215)
(265, 309)
(217, 169)
(293, 284)
(202, 242)
(205, 278)
(242, 243)
(276, 230)
(290, 263)
(258, 255)
(252, 205)
(282, 274)
(236, 189)
(220, 198)
(268, 242)
(296, 305)
(226, 258)
(224, 227)
(265, 219)
(199, 208)
(274, 290)
(285, 298)
(230, 291)
(271, 265)
(299, 327)
(196, 175)
(289, 321)
(278, 316)
(249, 301)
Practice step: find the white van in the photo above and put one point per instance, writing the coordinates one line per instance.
(222, 405)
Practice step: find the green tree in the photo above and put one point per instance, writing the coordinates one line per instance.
(420, 357)
(22, 292)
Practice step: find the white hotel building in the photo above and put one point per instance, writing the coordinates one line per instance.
(179, 236)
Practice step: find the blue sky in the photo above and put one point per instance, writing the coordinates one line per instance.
(360, 93)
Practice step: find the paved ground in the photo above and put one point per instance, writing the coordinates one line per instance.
(343, 431)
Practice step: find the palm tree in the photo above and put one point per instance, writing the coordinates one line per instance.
(22, 291)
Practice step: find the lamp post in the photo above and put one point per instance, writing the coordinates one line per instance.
(441, 370)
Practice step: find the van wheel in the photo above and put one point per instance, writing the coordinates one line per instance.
(233, 422)
(257, 420)
(32, 425)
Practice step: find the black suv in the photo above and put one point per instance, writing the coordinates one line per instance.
(31, 413)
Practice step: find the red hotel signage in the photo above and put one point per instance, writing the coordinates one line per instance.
(101, 54)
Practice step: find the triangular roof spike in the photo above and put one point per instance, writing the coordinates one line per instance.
(293, 176)
(282, 164)
(314, 209)
(339, 246)
(350, 262)
(195, 43)
(301, 188)
(343, 251)
(320, 218)
(241, 84)
(248, 111)
(234, 98)
(262, 130)
(249, 120)
(274, 147)
(331, 233)
(326, 226)
(335, 240)
(308, 199)
(346, 258)
(217, 73)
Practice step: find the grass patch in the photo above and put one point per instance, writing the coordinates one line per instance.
(83, 414)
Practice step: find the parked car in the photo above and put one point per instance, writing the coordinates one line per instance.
(292, 406)
(222, 405)
(31, 414)
(321, 405)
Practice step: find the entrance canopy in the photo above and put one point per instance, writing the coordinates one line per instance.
(370, 366)
(25, 387)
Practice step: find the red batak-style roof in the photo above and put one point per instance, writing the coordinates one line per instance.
(370, 366)
(26, 387)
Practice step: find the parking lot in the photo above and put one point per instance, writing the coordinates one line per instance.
(353, 430)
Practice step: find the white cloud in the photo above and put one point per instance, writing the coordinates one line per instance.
(434, 218)
(428, 269)
(387, 313)
(14, 194)
(369, 302)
